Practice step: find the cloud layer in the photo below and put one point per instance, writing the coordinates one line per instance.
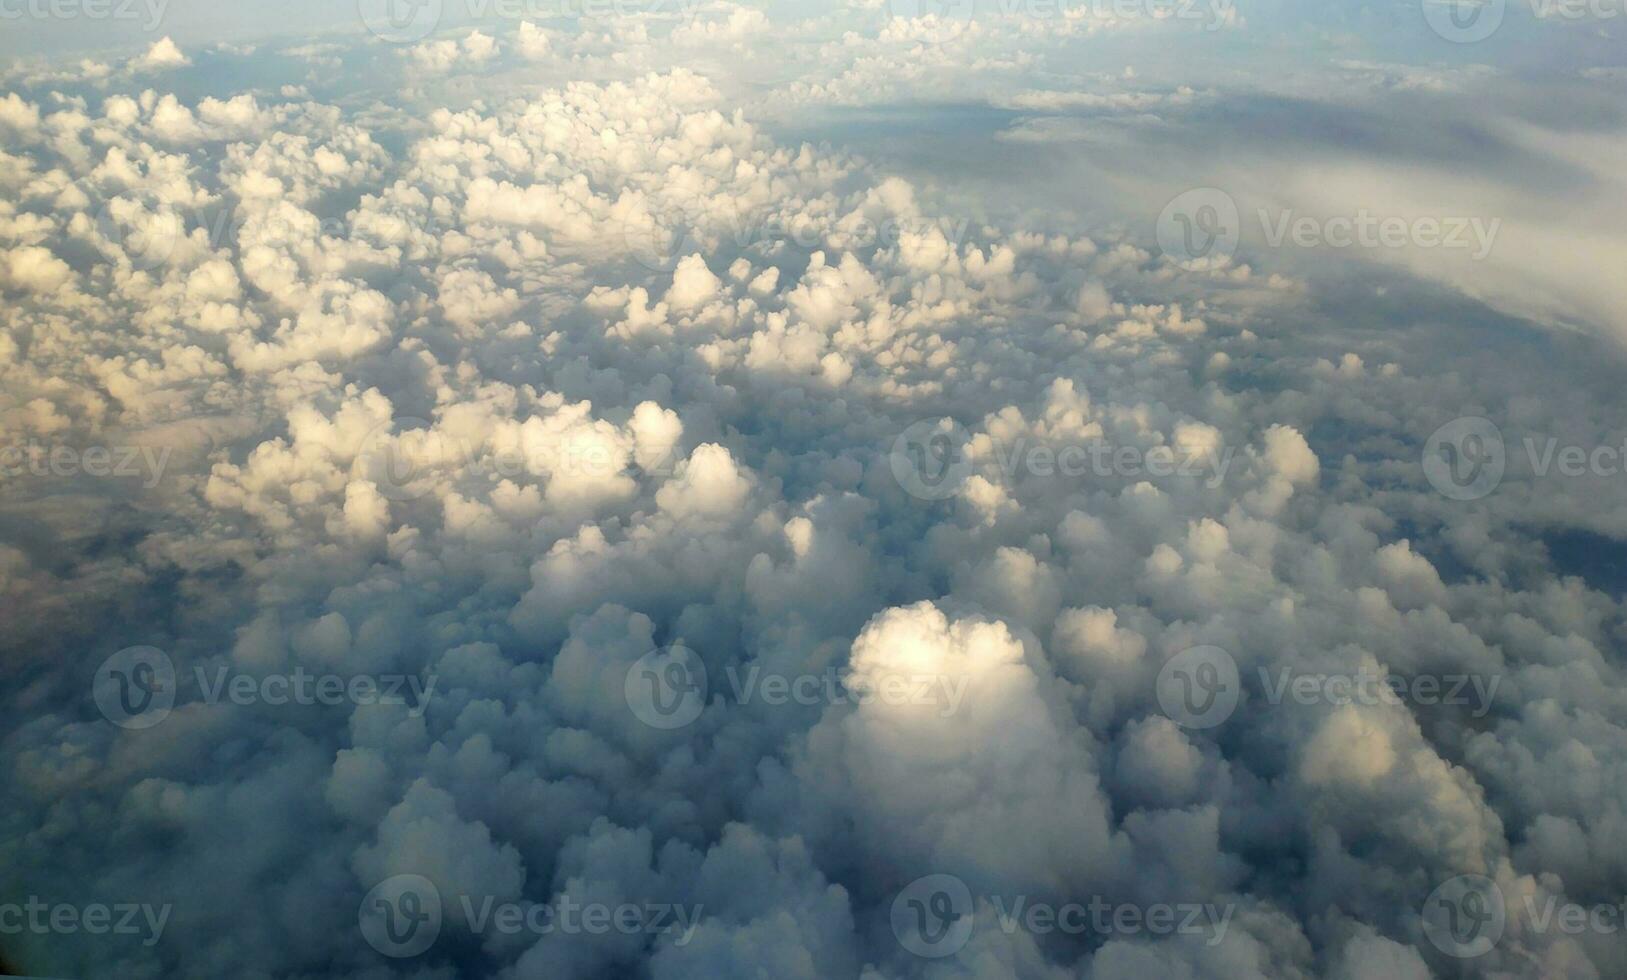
(567, 378)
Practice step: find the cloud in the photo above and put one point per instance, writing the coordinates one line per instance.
(34, 269)
(473, 50)
(163, 55)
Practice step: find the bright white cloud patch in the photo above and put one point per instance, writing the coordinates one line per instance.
(163, 54)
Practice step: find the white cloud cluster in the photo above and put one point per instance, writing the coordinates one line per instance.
(518, 389)
(163, 54)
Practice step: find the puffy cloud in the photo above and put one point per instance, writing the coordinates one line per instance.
(956, 762)
(473, 50)
(533, 42)
(163, 54)
(708, 484)
(36, 270)
(22, 118)
(692, 284)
